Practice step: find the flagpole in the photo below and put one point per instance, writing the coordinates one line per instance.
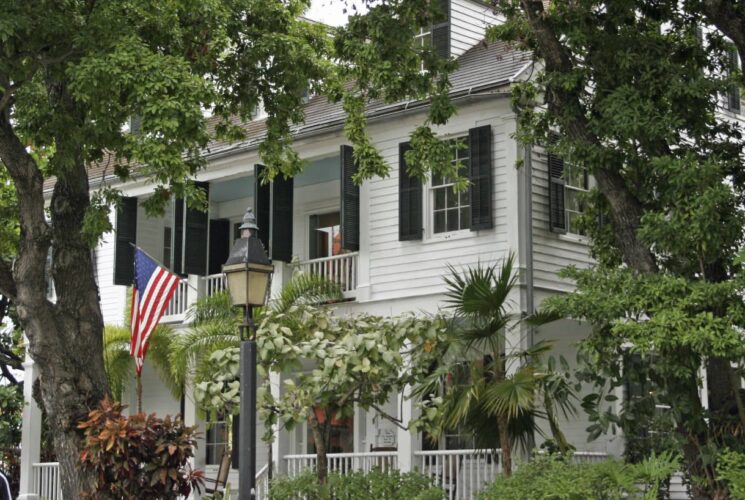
(139, 392)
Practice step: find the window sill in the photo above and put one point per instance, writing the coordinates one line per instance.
(461, 234)
(574, 238)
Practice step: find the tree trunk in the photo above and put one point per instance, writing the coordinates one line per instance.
(319, 436)
(66, 338)
(504, 444)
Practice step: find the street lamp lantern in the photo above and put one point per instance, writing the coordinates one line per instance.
(248, 274)
(248, 270)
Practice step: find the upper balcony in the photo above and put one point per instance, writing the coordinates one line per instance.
(310, 222)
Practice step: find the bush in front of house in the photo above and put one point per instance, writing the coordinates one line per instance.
(556, 477)
(375, 484)
(138, 456)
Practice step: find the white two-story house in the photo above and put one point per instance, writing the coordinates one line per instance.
(388, 242)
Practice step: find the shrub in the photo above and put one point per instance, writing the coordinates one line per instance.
(731, 470)
(556, 477)
(140, 456)
(375, 484)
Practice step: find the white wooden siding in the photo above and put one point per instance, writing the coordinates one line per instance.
(112, 296)
(468, 23)
(408, 268)
(551, 251)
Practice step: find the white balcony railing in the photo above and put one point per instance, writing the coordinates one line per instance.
(214, 283)
(46, 480)
(262, 483)
(179, 303)
(344, 462)
(341, 269)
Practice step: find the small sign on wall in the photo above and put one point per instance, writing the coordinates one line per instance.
(387, 437)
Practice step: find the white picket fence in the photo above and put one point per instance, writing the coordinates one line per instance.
(214, 283)
(344, 462)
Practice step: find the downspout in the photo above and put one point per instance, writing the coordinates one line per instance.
(528, 240)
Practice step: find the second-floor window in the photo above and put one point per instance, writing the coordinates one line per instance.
(451, 211)
(575, 185)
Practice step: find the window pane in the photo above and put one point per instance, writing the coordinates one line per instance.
(465, 218)
(440, 198)
(440, 222)
(465, 198)
(452, 219)
(437, 180)
(573, 223)
(570, 200)
(452, 198)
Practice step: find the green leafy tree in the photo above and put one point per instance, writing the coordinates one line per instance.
(71, 75)
(633, 92)
(354, 360)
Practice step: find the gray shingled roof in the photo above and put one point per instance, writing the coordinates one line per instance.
(486, 65)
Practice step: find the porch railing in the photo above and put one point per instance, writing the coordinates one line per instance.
(262, 483)
(344, 462)
(46, 480)
(214, 283)
(461, 473)
(341, 269)
(179, 303)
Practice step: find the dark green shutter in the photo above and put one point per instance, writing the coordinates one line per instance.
(220, 243)
(126, 235)
(178, 237)
(409, 199)
(350, 202)
(441, 31)
(557, 218)
(733, 94)
(262, 207)
(282, 196)
(196, 227)
(480, 175)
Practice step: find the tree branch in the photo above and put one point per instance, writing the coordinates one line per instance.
(626, 210)
(730, 20)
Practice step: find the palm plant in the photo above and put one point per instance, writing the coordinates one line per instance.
(499, 385)
(120, 365)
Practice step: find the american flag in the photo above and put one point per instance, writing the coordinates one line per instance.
(152, 291)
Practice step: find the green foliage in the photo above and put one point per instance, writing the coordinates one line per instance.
(217, 387)
(11, 414)
(558, 477)
(476, 393)
(356, 485)
(731, 470)
(120, 366)
(140, 456)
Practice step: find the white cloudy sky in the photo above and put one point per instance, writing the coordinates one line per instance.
(329, 12)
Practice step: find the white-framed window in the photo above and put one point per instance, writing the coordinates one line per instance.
(217, 440)
(450, 210)
(576, 183)
(324, 235)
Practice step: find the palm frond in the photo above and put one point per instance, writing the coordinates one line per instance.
(306, 288)
(512, 396)
(197, 343)
(543, 317)
(119, 365)
(216, 307)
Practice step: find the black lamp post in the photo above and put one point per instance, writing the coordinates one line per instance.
(248, 274)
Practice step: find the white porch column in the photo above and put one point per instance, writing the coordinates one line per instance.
(30, 432)
(197, 289)
(407, 442)
(281, 443)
